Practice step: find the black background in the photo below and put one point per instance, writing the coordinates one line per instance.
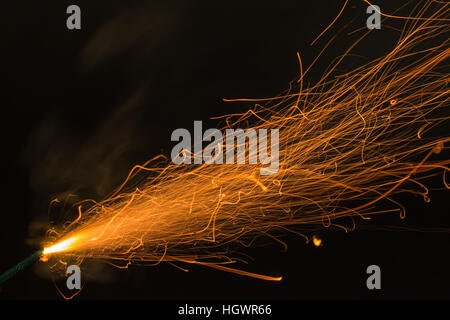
(63, 130)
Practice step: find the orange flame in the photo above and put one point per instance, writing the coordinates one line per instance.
(62, 246)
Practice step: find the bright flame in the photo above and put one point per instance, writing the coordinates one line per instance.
(61, 246)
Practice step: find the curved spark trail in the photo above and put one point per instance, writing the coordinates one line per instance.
(346, 145)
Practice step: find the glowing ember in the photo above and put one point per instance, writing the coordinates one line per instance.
(317, 242)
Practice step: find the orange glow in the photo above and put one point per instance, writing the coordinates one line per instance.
(317, 242)
(348, 144)
(60, 246)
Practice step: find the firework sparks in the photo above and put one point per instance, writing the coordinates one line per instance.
(346, 144)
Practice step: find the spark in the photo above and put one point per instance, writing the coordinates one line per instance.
(347, 144)
(317, 242)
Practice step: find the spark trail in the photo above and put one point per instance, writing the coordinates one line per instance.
(347, 144)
